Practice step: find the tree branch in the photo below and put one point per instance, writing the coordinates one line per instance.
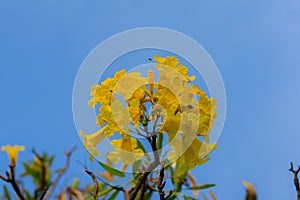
(11, 179)
(162, 183)
(296, 180)
(60, 173)
(142, 179)
(95, 192)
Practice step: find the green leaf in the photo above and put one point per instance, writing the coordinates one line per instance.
(76, 183)
(112, 170)
(100, 193)
(31, 172)
(105, 191)
(188, 198)
(6, 192)
(148, 195)
(50, 161)
(160, 140)
(201, 187)
(172, 174)
(136, 166)
(114, 195)
(140, 146)
(28, 196)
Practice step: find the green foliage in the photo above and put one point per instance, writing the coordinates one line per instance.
(201, 187)
(111, 170)
(6, 193)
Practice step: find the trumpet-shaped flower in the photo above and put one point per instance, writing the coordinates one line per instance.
(92, 140)
(12, 152)
(125, 149)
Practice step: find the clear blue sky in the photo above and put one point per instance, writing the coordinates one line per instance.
(255, 44)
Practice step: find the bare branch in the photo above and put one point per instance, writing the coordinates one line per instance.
(212, 195)
(3, 178)
(11, 179)
(162, 183)
(60, 173)
(95, 192)
(296, 180)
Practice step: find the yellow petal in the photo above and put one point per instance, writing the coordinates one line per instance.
(12, 152)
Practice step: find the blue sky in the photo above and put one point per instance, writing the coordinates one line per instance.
(255, 44)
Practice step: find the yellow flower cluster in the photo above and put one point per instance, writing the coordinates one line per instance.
(184, 109)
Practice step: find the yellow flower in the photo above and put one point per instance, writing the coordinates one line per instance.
(150, 80)
(173, 62)
(126, 149)
(92, 140)
(129, 83)
(12, 153)
(102, 93)
(189, 156)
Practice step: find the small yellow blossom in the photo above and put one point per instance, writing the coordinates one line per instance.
(12, 152)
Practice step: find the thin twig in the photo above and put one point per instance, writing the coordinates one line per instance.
(204, 197)
(60, 173)
(120, 188)
(169, 195)
(296, 180)
(95, 192)
(73, 192)
(212, 195)
(44, 193)
(161, 183)
(3, 178)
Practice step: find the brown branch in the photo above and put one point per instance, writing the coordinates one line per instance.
(169, 195)
(11, 179)
(75, 193)
(60, 173)
(251, 193)
(95, 192)
(119, 188)
(142, 179)
(162, 183)
(296, 180)
(144, 189)
(3, 178)
(44, 193)
(204, 197)
(212, 195)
